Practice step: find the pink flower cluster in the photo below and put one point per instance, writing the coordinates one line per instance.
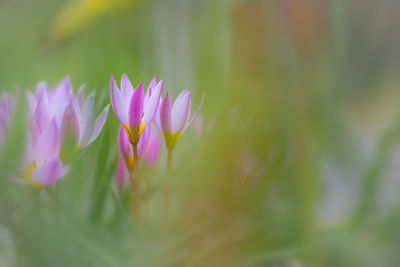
(52, 114)
(61, 122)
(142, 116)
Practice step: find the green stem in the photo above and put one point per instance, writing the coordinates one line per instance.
(169, 162)
(131, 195)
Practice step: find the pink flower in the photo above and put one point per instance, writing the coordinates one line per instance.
(174, 121)
(51, 113)
(126, 159)
(48, 104)
(80, 120)
(43, 165)
(6, 102)
(134, 109)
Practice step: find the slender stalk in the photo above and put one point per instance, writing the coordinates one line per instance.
(131, 195)
(169, 162)
(147, 192)
(137, 183)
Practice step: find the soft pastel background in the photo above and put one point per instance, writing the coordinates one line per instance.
(298, 160)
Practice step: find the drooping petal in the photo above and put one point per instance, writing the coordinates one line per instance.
(98, 124)
(180, 111)
(165, 114)
(49, 173)
(136, 106)
(126, 87)
(117, 102)
(47, 145)
(195, 115)
(152, 105)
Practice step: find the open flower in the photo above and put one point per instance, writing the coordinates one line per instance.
(6, 101)
(134, 109)
(174, 121)
(43, 165)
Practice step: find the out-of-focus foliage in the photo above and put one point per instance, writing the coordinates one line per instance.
(79, 14)
(297, 162)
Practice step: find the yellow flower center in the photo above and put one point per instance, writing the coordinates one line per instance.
(134, 132)
(27, 175)
(171, 139)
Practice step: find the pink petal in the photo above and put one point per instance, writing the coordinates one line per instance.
(42, 88)
(120, 172)
(152, 105)
(6, 102)
(47, 145)
(49, 173)
(165, 114)
(144, 137)
(58, 101)
(125, 147)
(81, 95)
(117, 102)
(156, 119)
(41, 116)
(126, 87)
(31, 102)
(76, 106)
(181, 111)
(88, 119)
(152, 83)
(153, 149)
(34, 133)
(136, 106)
(70, 124)
(150, 88)
(195, 115)
(98, 124)
(64, 87)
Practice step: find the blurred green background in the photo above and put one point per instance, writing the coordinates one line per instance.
(298, 160)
